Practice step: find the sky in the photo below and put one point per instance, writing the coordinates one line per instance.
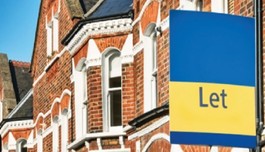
(18, 20)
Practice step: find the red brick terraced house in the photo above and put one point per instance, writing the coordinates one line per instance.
(100, 73)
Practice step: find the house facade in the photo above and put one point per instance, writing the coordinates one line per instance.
(100, 73)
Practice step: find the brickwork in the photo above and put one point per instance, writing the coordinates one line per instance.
(157, 146)
(166, 5)
(139, 83)
(116, 41)
(47, 143)
(95, 120)
(128, 105)
(163, 67)
(243, 7)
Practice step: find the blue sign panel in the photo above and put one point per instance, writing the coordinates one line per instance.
(212, 79)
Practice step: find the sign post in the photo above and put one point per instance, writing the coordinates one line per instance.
(212, 79)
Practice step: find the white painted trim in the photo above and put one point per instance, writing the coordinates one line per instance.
(99, 144)
(86, 137)
(240, 150)
(93, 54)
(138, 146)
(103, 27)
(80, 90)
(126, 128)
(219, 6)
(154, 138)
(138, 47)
(150, 128)
(175, 147)
(47, 131)
(38, 79)
(16, 125)
(48, 65)
(214, 149)
(164, 24)
(127, 50)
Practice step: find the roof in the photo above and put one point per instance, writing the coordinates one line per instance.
(105, 10)
(88, 5)
(22, 83)
(25, 107)
(21, 78)
(111, 8)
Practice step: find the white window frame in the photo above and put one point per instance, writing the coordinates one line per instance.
(55, 32)
(80, 84)
(55, 135)
(219, 6)
(52, 30)
(150, 68)
(64, 130)
(39, 142)
(191, 5)
(154, 91)
(106, 91)
(49, 39)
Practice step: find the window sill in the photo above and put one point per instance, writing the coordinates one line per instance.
(97, 136)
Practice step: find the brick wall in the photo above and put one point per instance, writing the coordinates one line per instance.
(128, 104)
(95, 121)
(163, 67)
(57, 76)
(139, 83)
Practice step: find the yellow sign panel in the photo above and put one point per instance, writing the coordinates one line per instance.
(212, 108)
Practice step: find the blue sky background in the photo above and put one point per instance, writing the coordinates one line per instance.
(17, 28)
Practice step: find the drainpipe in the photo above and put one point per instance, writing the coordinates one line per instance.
(259, 61)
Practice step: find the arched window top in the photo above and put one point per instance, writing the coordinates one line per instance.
(151, 28)
(110, 51)
(21, 145)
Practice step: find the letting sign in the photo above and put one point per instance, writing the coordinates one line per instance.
(212, 79)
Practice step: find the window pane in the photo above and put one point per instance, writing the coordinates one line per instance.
(115, 65)
(115, 108)
(115, 82)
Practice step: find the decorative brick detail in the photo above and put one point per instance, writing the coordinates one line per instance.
(161, 145)
(114, 41)
(21, 133)
(80, 54)
(65, 102)
(39, 124)
(150, 15)
(55, 110)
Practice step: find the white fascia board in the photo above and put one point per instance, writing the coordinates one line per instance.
(96, 28)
